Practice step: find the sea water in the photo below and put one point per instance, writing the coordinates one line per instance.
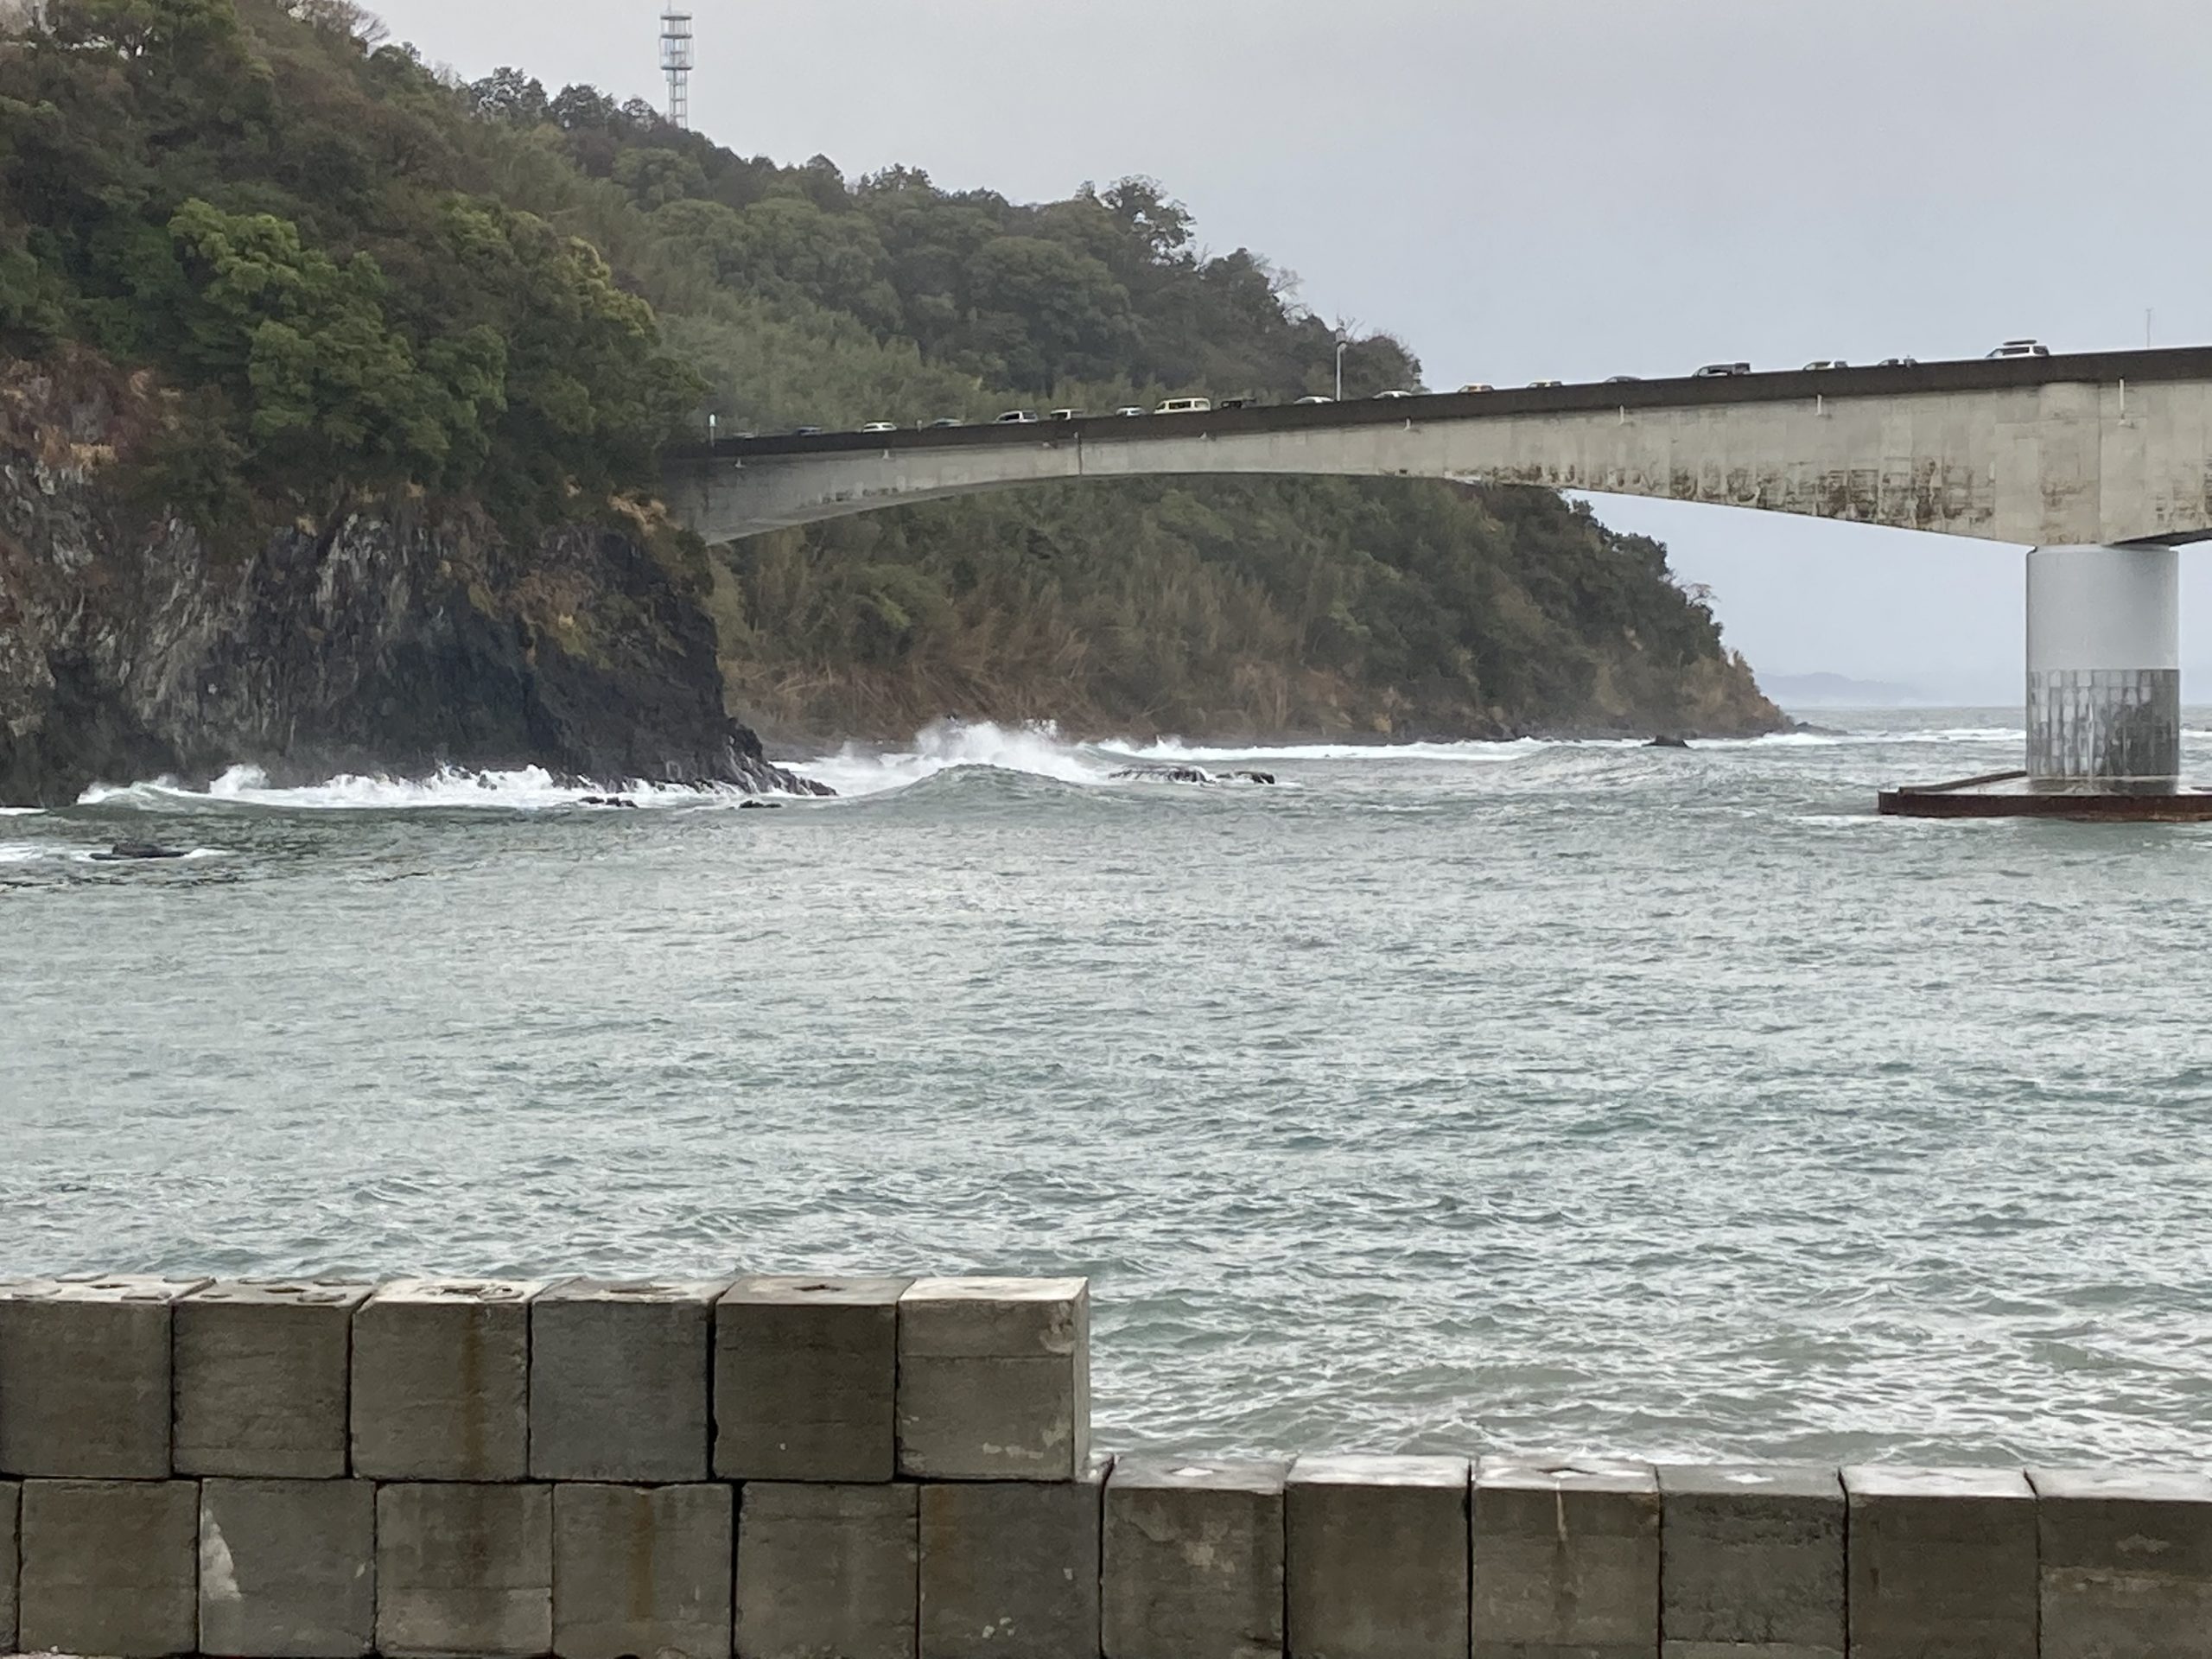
(1573, 1096)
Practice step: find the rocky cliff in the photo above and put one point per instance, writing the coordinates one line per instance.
(395, 639)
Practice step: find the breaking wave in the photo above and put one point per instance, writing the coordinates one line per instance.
(528, 789)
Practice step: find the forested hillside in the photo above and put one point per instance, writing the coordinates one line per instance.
(365, 289)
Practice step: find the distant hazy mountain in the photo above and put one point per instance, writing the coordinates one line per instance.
(1838, 691)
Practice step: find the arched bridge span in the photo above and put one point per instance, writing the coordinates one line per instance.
(2105, 449)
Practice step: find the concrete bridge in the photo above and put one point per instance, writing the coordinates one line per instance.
(2102, 463)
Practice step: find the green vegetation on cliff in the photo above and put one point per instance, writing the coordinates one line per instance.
(366, 285)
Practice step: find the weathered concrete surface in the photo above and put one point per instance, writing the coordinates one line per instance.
(2104, 668)
(1942, 1562)
(827, 1572)
(1193, 1558)
(288, 1568)
(2126, 1562)
(109, 1568)
(1566, 1560)
(619, 1381)
(260, 1379)
(642, 1570)
(806, 1379)
(11, 1509)
(442, 1379)
(1011, 1568)
(2043, 452)
(1376, 1558)
(1751, 1562)
(994, 1379)
(464, 1570)
(85, 1376)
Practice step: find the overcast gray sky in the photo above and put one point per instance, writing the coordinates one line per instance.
(1564, 188)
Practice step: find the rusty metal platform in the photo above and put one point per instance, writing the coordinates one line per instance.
(1983, 797)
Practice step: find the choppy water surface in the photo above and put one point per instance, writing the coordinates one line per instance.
(1542, 1095)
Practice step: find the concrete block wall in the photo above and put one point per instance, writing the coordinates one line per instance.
(823, 1468)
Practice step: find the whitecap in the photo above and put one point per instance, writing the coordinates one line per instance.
(947, 744)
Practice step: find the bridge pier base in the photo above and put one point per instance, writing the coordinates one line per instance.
(2104, 669)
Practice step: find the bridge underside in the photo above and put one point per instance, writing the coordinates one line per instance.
(2059, 463)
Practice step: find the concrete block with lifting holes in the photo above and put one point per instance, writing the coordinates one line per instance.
(85, 1377)
(442, 1379)
(1193, 1566)
(806, 1379)
(288, 1568)
(110, 1567)
(994, 1379)
(11, 1504)
(1375, 1557)
(1941, 1561)
(827, 1570)
(1566, 1558)
(261, 1378)
(1012, 1568)
(2126, 1562)
(1752, 1559)
(642, 1570)
(619, 1380)
(464, 1569)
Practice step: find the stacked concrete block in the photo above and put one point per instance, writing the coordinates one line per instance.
(1941, 1561)
(260, 1379)
(1566, 1560)
(110, 1567)
(806, 1379)
(441, 1381)
(2126, 1563)
(464, 1569)
(994, 1379)
(1193, 1558)
(619, 1381)
(1751, 1562)
(1012, 1568)
(1376, 1558)
(642, 1570)
(85, 1377)
(11, 1509)
(288, 1568)
(828, 1570)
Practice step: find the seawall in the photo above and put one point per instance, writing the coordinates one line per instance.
(886, 1468)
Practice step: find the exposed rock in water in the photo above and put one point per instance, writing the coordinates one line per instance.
(132, 851)
(393, 641)
(1665, 740)
(1187, 775)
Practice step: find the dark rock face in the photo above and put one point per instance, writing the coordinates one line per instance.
(388, 644)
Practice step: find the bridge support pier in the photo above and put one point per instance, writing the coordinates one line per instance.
(2104, 669)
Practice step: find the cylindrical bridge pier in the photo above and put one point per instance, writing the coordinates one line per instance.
(2104, 669)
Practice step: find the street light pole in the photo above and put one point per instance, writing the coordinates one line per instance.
(1341, 343)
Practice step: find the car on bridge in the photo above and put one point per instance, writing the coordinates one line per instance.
(1898, 363)
(1715, 371)
(1017, 417)
(1823, 363)
(1185, 406)
(1394, 392)
(881, 426)
(1130, 411)
(1478, 385)
(944, 420)
(1316, 399)
(2022, 348)
(1536, 385)
(1066, 415)
(807, 431)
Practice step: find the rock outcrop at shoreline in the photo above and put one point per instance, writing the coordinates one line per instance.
(393, 640)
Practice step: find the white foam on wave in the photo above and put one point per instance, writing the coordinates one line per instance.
(20, 811)
(528, 789)
(949, 744)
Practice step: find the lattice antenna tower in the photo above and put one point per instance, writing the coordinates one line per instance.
(676, 61)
